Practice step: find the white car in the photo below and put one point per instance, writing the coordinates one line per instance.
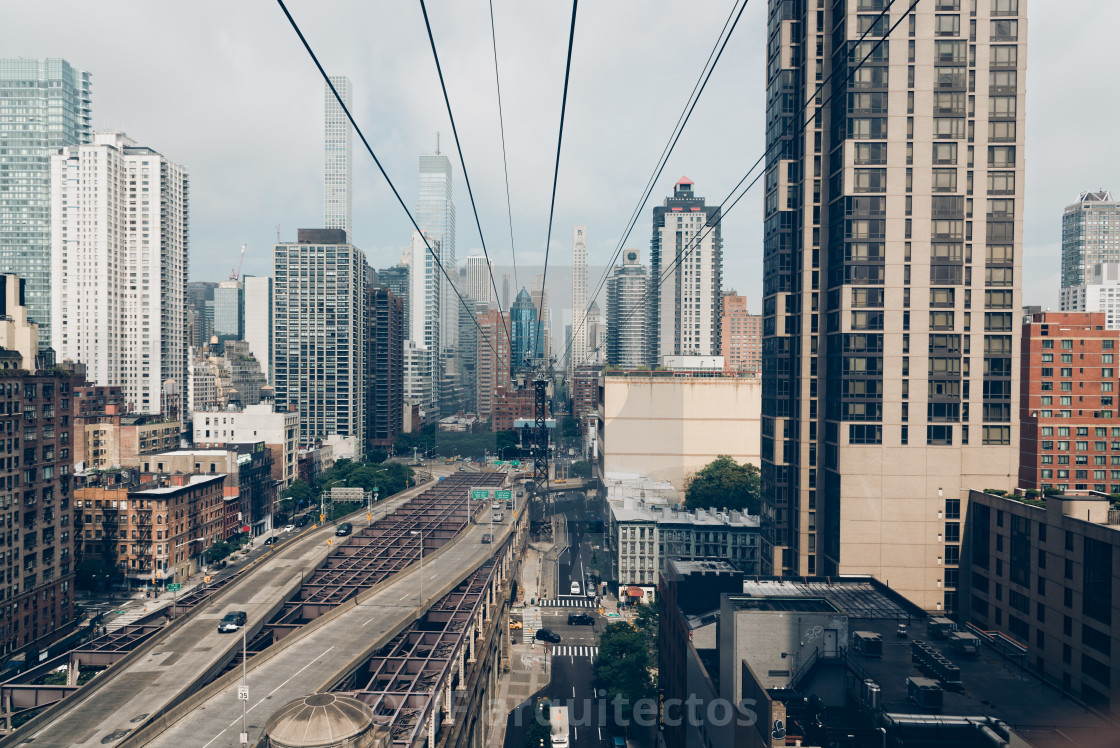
(496, 505)
(498, 516)
(289, 528)
(575, 588)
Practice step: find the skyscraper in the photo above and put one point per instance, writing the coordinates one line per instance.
(229, 310)
(385, 366)
(892, 257)
(319, 328)
(579, 297)
(338, 158)
(435, 214)
(119, 249)
(44, 106)
(1090, 235)
(258, 320)
(543, 332)
(596, 336)
(493, 361)
(627, 334)
(523, 330)
(424, 294)
(396, 280)
(476, 280)
(686, 259)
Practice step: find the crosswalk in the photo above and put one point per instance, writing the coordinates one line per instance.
(566, 650)
(568, 602)
(531, 621)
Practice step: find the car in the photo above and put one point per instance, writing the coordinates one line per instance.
(289, 528)
(496, 505)
(271, 540)
(580, 619)
(302, 520)
(575, 588)
(498, 516)
(515, 625)
(547, 635)
(344, 529)
(232, 621)
(487, 538)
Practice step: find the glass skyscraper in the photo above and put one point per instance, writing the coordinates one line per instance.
(44, 106)
(523, 327)
(435, 213)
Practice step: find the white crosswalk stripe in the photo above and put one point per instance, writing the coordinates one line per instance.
(565, 650)
(568, 602)
(531, 619)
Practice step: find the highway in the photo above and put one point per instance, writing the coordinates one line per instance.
(116, 702)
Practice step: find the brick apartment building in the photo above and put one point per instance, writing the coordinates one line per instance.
(585, 392)
(740, 335)
(1070, 429)
(511, 404)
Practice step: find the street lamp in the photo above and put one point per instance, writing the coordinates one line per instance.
(421, 534)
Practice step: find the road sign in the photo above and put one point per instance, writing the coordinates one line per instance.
(344, 494)
(480, 494)
(242, 693)
(503, 495)
(498, 463)
(174, 587)
(515, 463)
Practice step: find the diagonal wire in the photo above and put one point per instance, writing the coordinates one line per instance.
(381, 168)
(556, 172)
(686, 251)
(463, 163)
(502, 129)
(670, 144)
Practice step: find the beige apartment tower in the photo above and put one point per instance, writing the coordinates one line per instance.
(892, 268)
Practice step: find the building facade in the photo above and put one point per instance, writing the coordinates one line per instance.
(119, 255)
(435, 214)
(44, 105)
(577, 351)
(278, 429)
(229, 310)
(740, 335)
(585, 392)
(891, 281)
(1069, 430)
(319, 327)
(477, 273)
(338, 159)
(493, 361)
(523, 330)
(627, 321)
(1090, 235)
(385, 359)
(686, 269)
(421, 388)
(1099, 293)
(258, 321)
(1044, 575)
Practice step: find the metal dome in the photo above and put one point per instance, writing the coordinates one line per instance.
(321, 720)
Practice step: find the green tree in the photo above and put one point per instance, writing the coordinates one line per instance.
(539, 732)
(580, 469)
(298, 491)
(624, 662)
(725, 483)
(569, 428)
(646, 620)
(378, 456)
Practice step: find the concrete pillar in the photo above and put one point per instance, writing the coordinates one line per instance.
(472, 638)
(462, 672)
(72, 671)
(450, 718)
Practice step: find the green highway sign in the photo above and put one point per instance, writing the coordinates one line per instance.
(480, 493)
(503, 495)
(174, 587)
(515, 463)
(498, 463)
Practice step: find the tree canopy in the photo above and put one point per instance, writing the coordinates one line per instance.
(624, 662)
(725, 483)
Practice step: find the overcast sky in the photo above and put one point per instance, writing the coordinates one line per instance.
(225, 89)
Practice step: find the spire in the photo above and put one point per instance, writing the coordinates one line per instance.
(437, 142)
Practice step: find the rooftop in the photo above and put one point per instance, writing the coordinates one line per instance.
(193, 481)
(630, 510)
(783, 604)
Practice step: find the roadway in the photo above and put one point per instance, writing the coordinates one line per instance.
(117, 701)
(318, 656)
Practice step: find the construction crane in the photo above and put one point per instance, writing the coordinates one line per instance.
(236, 273)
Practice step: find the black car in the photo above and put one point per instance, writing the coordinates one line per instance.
(232, 621)
(302, 520)
(487, 538)
(344, 529)
(273, 540)
(546, 635)
(580, 619)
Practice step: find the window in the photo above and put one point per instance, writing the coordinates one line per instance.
(945, 153)
(1001, 156)
(997, 434)
(947, 25)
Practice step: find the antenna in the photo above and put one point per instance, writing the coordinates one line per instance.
(277, 233)
(437, 142)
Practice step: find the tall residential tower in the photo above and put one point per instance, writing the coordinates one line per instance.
(44, 106)
(627, 334)
(338, 159)
(435, 214)
(891, 284)
(1090, 236)
(578, 353)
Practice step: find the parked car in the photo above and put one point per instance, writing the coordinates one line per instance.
(232, 621)
(289, 528)
(271, 540)
(302, 520)
(487, 538)
(344, 529)
(547, 635)
(575, 588)
(580, 619)
(515, 625)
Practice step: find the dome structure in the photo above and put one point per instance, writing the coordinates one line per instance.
(322, 720)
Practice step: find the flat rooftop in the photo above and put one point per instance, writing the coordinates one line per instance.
(858, 597)
(784, 604)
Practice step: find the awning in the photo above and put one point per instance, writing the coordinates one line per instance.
(634, 592)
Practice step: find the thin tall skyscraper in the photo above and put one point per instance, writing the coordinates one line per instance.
(435, 214)
(686, 259)
(119, 254)
(891, 286)
(627, 343)
(338, 159)
(476, 278)
(579, 297)
(44, 106)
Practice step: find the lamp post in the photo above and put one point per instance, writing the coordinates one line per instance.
(421, 534)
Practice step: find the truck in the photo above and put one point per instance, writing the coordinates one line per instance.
(558, 719)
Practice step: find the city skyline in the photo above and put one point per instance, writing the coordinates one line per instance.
(259, 54)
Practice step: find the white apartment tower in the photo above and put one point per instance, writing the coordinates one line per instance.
(338, 159)
(1090, 236)
(319, 334)
(892, 266)
(425, 293)
(119, 266)
(435, 214)
(578, 352)
(476, 279)
(686, 259)
(258, 320)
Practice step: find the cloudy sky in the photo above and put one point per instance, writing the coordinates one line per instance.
(226, 89)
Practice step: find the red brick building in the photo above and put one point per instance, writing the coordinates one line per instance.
(1069, 422)
(585, 391)
(511, 404)
(740, 335)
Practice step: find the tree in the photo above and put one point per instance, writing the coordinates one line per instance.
(539, 732)
(299, 491)
(569, 428)
(646, 619)
(623, 663)
(378, 456)
(580, 469)
(725, 483)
